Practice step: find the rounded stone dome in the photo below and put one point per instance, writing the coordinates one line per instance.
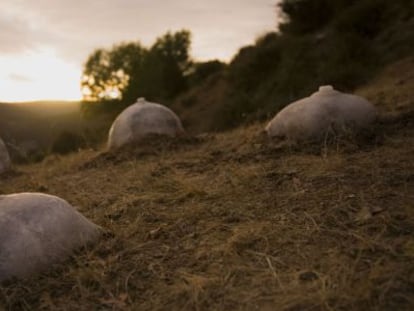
(4, 157)
(38, 230)
(327, 109)
(141, 119)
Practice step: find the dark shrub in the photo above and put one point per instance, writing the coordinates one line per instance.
(202, 71)
(305, 16)
(67, 142)
(366, 18)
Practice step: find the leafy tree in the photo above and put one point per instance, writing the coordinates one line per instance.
(107, 73)
(175, 48)
(201, 71)
(366, 18)
(128, 70)
(306, 16)
(163, 74)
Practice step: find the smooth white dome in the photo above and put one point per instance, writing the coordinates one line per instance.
(4, 158)
(38, 230)
(141, 119)
(326, 109)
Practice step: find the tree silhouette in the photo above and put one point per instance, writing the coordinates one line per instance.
(172, 51)
(107, 73)
(306, 16)
(129, 70)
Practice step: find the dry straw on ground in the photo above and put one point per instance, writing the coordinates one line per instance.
(232, 222)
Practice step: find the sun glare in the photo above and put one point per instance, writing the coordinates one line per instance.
(38, 75)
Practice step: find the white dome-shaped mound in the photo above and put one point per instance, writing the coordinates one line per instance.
(4, 158)
(141, 119)
(38, 230)
(327, 109)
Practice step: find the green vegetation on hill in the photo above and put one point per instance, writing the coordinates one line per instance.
(342, 43)
(337, 42)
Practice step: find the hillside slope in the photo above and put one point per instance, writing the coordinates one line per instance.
(319, 42)
(232, 222)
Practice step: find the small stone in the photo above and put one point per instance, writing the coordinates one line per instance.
(377, 209)
(364, 214)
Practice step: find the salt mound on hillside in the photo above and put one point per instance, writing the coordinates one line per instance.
(38, 230)
(141, 119)
(325, 110)
(4, 157)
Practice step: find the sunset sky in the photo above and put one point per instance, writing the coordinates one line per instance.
(44, 43)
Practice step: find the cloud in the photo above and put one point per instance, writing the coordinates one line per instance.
(14, 35)
(20, 35)
(77, 27)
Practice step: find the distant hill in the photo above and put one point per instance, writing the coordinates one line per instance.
(37, 121)
(33, 126)
(41, 108)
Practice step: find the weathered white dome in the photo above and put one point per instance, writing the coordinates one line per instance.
(141, 119)
(4, 158)
(326, 109)
(38, 230)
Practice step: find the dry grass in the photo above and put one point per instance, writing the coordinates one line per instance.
(393, 89)
(233, 222)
